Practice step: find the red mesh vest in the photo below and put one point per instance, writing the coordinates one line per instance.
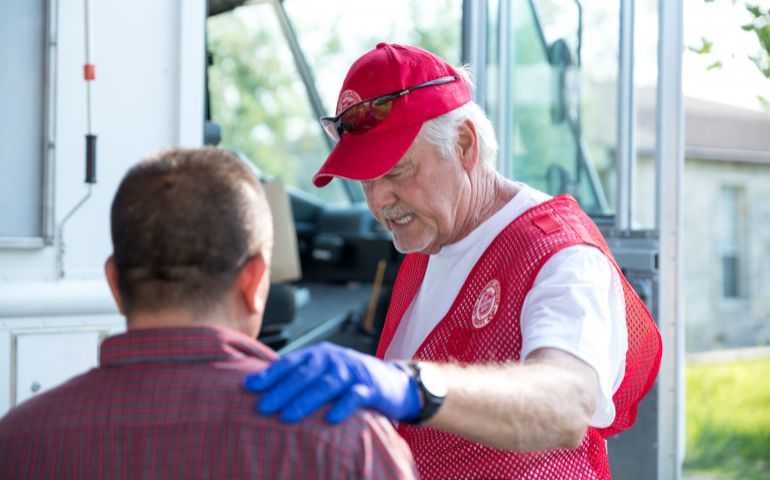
(513, 260)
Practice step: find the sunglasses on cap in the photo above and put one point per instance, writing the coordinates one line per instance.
(365, 115)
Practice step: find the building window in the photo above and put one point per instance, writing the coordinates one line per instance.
(731, 240)
(22, 120)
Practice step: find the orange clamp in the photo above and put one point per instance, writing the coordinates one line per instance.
(89, 71)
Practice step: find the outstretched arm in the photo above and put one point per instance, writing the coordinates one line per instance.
(545, 403)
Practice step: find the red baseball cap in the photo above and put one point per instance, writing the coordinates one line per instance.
(386, 69)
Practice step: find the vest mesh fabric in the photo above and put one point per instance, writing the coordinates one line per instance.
(514, 259)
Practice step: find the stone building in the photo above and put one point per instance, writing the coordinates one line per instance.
(726, 236)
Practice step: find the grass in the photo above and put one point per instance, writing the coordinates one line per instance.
(728, 420)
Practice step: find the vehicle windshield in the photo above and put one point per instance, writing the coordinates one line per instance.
(258, 95)
(559, 95)
(278, 66)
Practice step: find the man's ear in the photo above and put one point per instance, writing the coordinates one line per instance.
(111, 272)
(468, 145)
(251, 282)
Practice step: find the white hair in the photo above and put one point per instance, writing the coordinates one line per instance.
(442, 131)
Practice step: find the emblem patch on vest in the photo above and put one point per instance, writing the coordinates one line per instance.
(486, 304)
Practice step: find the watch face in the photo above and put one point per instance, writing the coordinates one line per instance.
(432, 380)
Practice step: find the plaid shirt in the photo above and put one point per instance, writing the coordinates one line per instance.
(168, 403)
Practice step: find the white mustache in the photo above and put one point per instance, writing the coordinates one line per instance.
(397, 211)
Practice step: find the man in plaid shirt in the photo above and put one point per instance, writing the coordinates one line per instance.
(192, 238)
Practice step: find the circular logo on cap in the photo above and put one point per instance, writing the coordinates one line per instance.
(347, 98)
(486, 304)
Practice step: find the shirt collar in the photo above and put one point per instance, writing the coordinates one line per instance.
(180, 345)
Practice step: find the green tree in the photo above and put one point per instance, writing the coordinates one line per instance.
(759, 26)
(259, 100)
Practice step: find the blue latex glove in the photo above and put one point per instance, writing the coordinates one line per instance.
(301, 382)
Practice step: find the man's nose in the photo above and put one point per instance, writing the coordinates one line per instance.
(378, 194)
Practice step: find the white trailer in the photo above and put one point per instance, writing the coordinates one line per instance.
(147, 95)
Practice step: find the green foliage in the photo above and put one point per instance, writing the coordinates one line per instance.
(760, 26)
(704, 48)
(437, 33)
(249, 86)
(754, 10)
(728, 420)
(259, 100)
(715, 66)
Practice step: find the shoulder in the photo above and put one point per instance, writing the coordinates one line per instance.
(35, 413)
(577, 272)
(580, 261)
(578, 279)
(364, 446)
(378, 446)
(363, 430)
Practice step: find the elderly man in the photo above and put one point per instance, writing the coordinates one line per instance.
(192, 238)
(514, 345)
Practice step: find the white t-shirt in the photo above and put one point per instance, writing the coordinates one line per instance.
(576, 303)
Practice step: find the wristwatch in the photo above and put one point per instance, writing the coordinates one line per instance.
(432, 389)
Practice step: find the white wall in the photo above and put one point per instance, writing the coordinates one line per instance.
(148, 95)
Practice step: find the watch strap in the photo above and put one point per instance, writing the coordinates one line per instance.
(430, 402)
